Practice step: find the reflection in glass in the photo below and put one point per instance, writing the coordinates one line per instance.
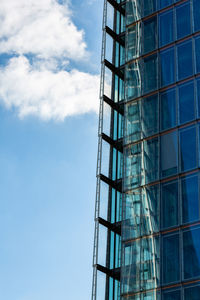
(185, 61)
(133, 122)
(166, 33)
(133, 80)
(183, 27)
(164, 3)
(188, 154)
(169, 154)
(171, 264)
(150, 115)
(167, 69)
(169, 204)
(168, 109)
(186, 102)
(190, 199)
(150, 73)
(191, 253)
(150, 35)
(151, 162)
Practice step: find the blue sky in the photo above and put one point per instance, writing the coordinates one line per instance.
(48, 148)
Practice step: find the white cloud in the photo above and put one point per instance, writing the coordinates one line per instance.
(41, 34)
(47, 94)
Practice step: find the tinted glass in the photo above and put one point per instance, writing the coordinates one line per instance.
(169, 204)
(185, 62)
(150, 115)
(174, 295)
(166, 28)
(169, 154)
(133, 80)
(188, 153)
(186, 102)
(190, 199)
(164, 3)
(148, 6)
(151, 159)
(198, 96)
(168, 109)
(196, 14)
(171, 265)
(192, 293)
(191, 253)
(183, 27)
(197, 51)
(150, 35)
(167, 66)
(150, 74)
(133, 122)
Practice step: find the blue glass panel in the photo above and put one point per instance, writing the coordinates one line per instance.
(191, 253)
(183, 25)
(172, 295)
(131, 43)
(188, 151)
(186, 102)
(198, 96)
(133, 122)
(197, 51)
(151, 162)
(164, 3)
(150, 35)
(166, 28)
(150, 115)
(185, 61)
(167, 69)
(150, 210)
(169, 154)
(169, 204)
(168, 109)
(148, 7)
(190, 199)
(133, 80)
(192, 293)
(171, 264)
(196, 14)
(150, 74)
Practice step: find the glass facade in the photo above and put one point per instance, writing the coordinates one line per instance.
(147, 215)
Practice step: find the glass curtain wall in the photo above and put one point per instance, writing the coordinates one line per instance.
(161, 209)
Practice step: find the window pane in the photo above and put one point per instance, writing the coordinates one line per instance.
(185, 62)
(196, 14)
(133, 122)
(166, 28)
(168, 109)
(198, 96)
(183, 20)
(164, 3)
(171, 265)
(150, 74)
(133, 80)
(167, 66)
(192, 293)
(169, 154)
(151, 160)
(150, 115)
(190, 199)
(191, 253)
(148, 6)
(186, 102)
(188, 153)
(133, 42)
(175, 295)
(169, 204)
(150, 35)
(197, 51)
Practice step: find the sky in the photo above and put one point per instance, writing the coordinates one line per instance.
(49, 87)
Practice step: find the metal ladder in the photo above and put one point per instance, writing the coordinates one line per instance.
(99, 156)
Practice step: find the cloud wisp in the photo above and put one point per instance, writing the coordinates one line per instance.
(42, 41)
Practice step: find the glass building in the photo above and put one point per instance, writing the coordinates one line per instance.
(147, 213)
